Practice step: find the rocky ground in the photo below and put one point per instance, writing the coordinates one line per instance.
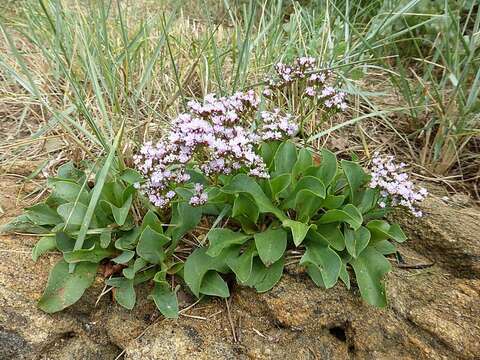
(433, 312)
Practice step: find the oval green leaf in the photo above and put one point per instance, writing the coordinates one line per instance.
(222, 238)
(370, 268)
(64, 288)
(271, 245)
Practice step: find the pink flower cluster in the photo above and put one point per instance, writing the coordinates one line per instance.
(275, 126)
(214, 136)
(316, 86)
(299, 70)
(394, 184)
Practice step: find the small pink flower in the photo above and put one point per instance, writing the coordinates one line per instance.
(395, 185)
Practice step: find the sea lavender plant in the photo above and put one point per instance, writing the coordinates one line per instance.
(395, 187)
(324, 211)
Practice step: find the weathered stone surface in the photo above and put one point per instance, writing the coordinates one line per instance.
(428, 317)
(448, 234)
(432, 314)
(25, 331)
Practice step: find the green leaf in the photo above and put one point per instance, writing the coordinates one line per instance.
(313, 184)
(369, 200)
(24, 225)
(266, 278)
(45, 244)
(151, 219)
(396, 233)
(333, 202)
(161, 277)
(124, 257)
(150, 246)
(175, 268)
(279, 184)
(268, 151)
(94, 255)
(185, 218)
(131, 176)
(344, 275)
(299, 230)
(199, 263)
(271, 244)
(379, 229)
(328, 167)
(214, 285)
(242, 183)
(247, 225)
(130, 272)
(128, 240)
(349, 214)
(356, 241)
(382, 230)
(304, 161)
(112, 193)
(323, 263)
(129, 191)
(220, 239)
(307, 197)
(244, 205)
(42, 214)
(385, 247)
(356, 178)
(166, 300)
(242, 265)
(285, 158)
(196, 176)
(307, 205)
(69, 171)
(64, 242)
(124, 292)
(64, 288)
(145, 275)
(370, 267)
(332, 235)
(68, 191)
(105, 238)
(120, 213)
(72, 214)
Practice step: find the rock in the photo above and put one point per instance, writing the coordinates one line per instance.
(433, 311)
(25, 331)
(432, 314)
(298, 320)
(123, 325)
(447, 234)
(79, 348)
(183, 340)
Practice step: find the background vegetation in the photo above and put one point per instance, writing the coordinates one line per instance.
(72, 71)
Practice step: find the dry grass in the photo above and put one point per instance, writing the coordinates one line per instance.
(201, 55)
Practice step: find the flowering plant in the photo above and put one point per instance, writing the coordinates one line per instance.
(238, 169)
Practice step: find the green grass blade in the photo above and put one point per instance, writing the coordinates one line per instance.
(96, 193)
